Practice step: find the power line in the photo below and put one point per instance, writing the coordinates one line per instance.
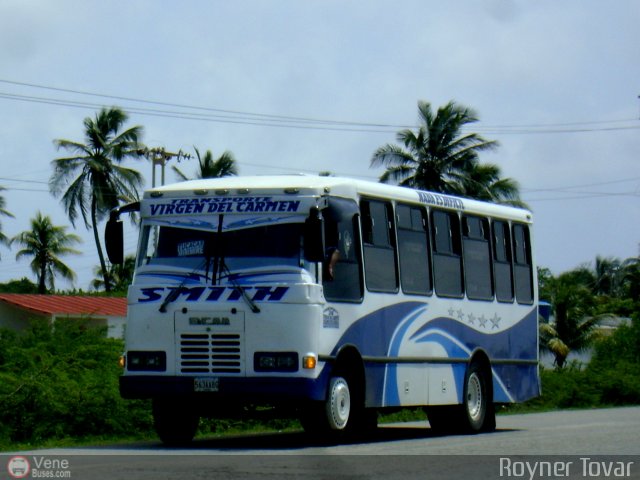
(584, 185)
(583, 197)
(239, 120)
(261, 119)
(207, 109)
(7, 179)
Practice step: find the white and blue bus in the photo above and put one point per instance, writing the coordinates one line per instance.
(329, 297)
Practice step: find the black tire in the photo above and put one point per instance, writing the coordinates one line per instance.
(476, 414)
(333, 416)
(444, 418)
(475, 398)
(338, 411)
(341, 415)
(175, 422)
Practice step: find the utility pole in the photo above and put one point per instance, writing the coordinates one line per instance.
(159, 157)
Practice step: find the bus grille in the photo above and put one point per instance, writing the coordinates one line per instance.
(219, 353)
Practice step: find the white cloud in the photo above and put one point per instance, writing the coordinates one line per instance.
(515, 62)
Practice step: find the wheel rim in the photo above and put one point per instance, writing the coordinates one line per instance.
(339, 405)
(475, 400)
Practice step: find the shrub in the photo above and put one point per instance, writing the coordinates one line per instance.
(61, 381)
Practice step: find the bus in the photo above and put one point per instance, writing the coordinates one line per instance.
(326, 298)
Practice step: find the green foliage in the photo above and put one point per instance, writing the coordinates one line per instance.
(611, 378)
(568, 388)
(208, 167)
(93, 181)
(120, 276)
(616, 363)
(47, 243)
(441, 157)
(582, 298)
(24, 285)
(62, 381)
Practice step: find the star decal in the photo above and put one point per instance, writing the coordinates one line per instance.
(471, 318)
(483, 321)
(495, 321)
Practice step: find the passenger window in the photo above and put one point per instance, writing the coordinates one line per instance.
(523, 271)
(343, 245)
(381, 273)
(447, 255)
(502, 265)
(477, 258)
(413, 249)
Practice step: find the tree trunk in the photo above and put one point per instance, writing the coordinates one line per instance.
(42, 281)
(96, 236)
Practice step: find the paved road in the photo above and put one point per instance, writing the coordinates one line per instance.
(398, 451)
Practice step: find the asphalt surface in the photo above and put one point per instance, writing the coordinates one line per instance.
(601, 443)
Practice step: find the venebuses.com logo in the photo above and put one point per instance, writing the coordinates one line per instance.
(19, 466)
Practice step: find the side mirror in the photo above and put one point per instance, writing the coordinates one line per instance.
(114, 241)
(314, 236)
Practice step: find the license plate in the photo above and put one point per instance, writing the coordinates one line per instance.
(208, 384)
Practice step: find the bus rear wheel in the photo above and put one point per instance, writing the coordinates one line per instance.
(475, 400)
(175, 421)
(476, 414)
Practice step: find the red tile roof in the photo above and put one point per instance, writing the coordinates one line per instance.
(68, 305)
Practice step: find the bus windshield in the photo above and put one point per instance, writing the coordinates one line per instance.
(248, 248)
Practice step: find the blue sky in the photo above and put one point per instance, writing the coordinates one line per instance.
(556, 83)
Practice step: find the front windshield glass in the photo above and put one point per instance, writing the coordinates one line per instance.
(261, 246)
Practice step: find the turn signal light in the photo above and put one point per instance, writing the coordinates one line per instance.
(309, 362)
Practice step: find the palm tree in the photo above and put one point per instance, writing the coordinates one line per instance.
(223, 166)
(120, 275)
(46, 243)
(438, 155)
(483, 182)
(631, 277)
(607, 275)
(92, 181)
(3, 211)
(574, 327)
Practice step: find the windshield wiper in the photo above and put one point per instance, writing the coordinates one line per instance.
(252, 305)
(175, 292)
(208, 248)
(220, 265)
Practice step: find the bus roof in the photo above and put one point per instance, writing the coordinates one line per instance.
(316, 185)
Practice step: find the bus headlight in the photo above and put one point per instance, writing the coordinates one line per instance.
(147, 361)
(275, 362)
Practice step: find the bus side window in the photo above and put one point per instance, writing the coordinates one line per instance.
(502, 264)
(413, 250)
(523, 271)
(343, 245)
(477, 258)
(447, 255)
(379, 246)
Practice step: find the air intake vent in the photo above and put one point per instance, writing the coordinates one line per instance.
(219, 353)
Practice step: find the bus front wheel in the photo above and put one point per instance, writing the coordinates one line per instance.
(338, 404)
(333, 416)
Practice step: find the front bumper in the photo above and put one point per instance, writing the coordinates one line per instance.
(253, 390)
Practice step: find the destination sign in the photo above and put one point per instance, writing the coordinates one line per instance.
(190, 206)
